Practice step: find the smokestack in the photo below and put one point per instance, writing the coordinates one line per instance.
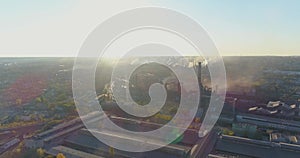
(199, 74)
(297, 107)
(234, 107)
(178, 88)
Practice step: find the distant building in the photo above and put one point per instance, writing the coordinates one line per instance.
(25, 118)
(276, 109)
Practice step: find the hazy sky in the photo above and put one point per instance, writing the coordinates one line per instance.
(58, 28)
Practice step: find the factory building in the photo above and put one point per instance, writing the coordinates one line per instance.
(60, 131)
(256, 148)
(74, 140)
(187, 145)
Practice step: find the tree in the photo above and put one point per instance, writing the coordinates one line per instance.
(60, 155)
(39, 99)
(111, 151)
(18, 101)
(40, 152)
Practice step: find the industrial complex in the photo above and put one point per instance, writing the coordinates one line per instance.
(246, 128)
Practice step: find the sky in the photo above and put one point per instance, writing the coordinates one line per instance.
(239, 28)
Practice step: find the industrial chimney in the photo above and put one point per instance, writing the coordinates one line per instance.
(199, 74)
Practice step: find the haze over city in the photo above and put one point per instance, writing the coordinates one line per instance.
(175, 79)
